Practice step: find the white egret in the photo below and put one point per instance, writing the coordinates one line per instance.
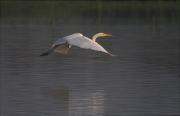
(63, 45)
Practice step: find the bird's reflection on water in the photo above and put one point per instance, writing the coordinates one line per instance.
(59, 96)
(60, 93)
(87, 103)
(77, 102)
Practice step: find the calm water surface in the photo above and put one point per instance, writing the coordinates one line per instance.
(141, 81)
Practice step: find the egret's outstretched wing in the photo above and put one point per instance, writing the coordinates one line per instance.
(64, 39)
(61, 45)
(48, 51)
(86, 43)
(59, 42)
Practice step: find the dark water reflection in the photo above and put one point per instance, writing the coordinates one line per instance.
(141, 80)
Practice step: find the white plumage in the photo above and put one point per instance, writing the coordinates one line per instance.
(77, 39)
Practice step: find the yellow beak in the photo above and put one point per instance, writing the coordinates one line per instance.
(107, 34)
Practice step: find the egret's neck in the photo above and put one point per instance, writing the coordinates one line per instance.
(95, 37)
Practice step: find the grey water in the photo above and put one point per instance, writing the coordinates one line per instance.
(142, 80)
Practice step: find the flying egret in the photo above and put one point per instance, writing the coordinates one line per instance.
(63, 45)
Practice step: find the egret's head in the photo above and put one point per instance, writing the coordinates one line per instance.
(102, 34)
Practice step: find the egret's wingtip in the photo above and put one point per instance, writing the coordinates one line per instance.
(113, 55)
(44, 54)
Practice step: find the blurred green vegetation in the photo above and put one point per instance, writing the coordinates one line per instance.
(88, 8)
(152, 11)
